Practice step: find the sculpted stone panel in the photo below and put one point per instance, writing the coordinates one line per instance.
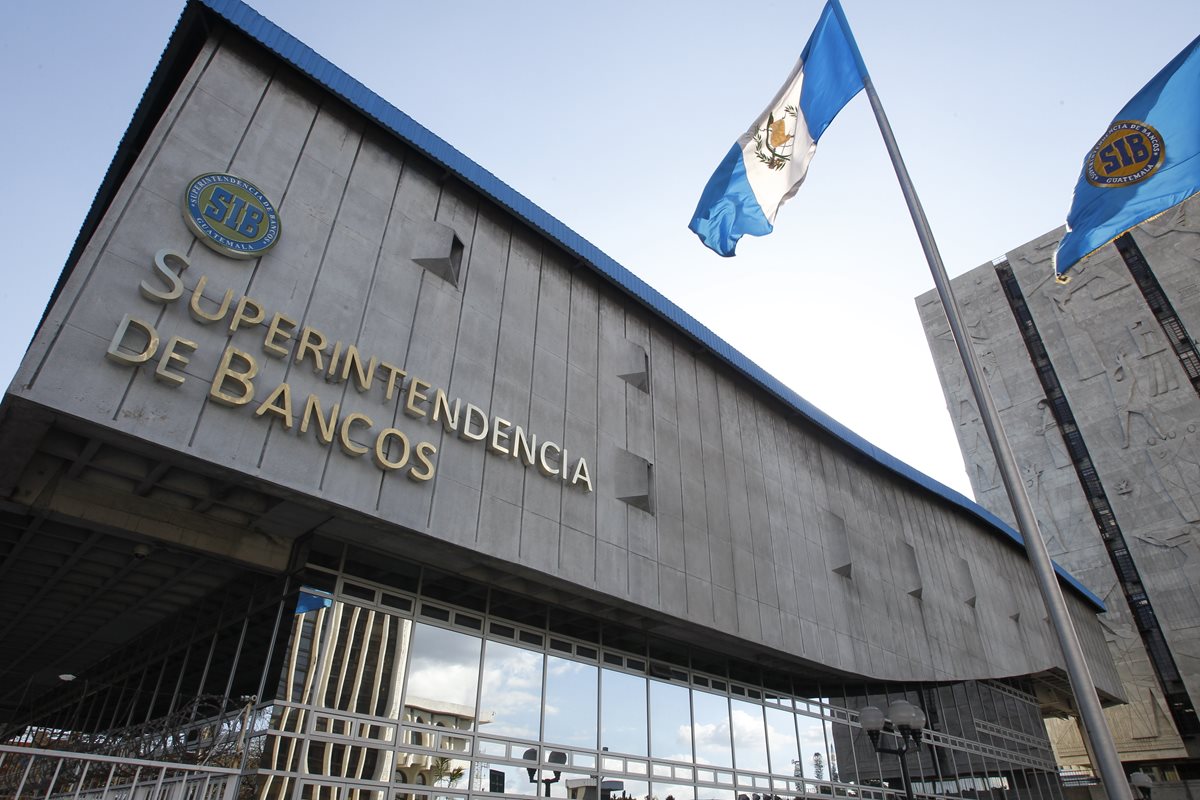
(1138, 416)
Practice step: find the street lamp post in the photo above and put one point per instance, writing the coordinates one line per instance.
(907, 721)
(556, 757)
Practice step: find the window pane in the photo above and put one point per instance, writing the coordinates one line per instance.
(512, 691)
(781, 739)
(842, 743)
(571, 705)
(443, 677)
(672, 791)
(623, 720)
(712, 729)
(749, 736)
(492, 777)
(567, 784)
(831, 761)
(670, 722)
(813, 758)
(367, 657)
(623, 789)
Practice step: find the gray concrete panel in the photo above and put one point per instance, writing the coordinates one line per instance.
(672, 590)
(463, 515)
(671, 552)
(643, 581)
(725, 610)
(485, 274)
(643, 534)
(639, 423)
(744, 581)
(499, 531)
(699, 600)
(577, 557)
(695, 550)
(748, 621)
(716, 502)
(720, 553)
(539, 542)
(612, 515)
(612, 569)
(668, 489)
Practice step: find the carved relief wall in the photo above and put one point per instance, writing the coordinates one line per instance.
(1138, 412)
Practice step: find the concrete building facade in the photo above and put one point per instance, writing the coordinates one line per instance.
(1097, 381)
(336, 468)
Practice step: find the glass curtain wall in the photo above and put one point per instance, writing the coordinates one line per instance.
(384, 681)
(389, 691)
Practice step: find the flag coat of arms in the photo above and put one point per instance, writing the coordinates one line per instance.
(1147, 161)
(767, 164)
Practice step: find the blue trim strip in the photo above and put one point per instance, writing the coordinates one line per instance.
(305, 59)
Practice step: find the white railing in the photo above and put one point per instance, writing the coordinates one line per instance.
(29, 773)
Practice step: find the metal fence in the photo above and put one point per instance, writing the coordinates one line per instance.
(28, 773)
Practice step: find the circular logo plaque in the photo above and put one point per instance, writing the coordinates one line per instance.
(230, 215)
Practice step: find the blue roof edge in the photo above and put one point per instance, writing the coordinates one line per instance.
(357, 95)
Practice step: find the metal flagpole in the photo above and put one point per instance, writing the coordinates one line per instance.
(1094, 724)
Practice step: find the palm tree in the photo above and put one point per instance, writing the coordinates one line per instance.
(443, 769)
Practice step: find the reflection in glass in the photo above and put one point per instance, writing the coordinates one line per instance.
(571, 703)
(511, 703)
(271, 787)
(831, 762)
(442, 682)
(624, 789)
(712, 729)
(670, 722)
(781, 741)
(623, 713)
(813, 758)
(367, 656)
(749, 735)
(338, 760)
(339, 720)
(497, 778)
(563, 784)
(299, 672)
(672, 791)
(347, 658)
(577, 788)
(849, 745)
(447, 774)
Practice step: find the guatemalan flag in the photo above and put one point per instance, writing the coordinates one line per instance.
(768, 162)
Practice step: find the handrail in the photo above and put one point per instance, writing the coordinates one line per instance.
(136, 762)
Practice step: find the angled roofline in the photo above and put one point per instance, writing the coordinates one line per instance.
(193, 25)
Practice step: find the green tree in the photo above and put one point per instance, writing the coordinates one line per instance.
(443, 769)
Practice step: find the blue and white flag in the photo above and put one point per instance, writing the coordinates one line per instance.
(1146, 162)
(768, 162)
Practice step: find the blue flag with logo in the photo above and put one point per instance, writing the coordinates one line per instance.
(1146, 162)
(767, 164)
(308, 601)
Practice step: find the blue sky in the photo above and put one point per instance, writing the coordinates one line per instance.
(611, 116)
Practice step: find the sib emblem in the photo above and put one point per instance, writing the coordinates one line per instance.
(230, 215)
(1129, 152)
